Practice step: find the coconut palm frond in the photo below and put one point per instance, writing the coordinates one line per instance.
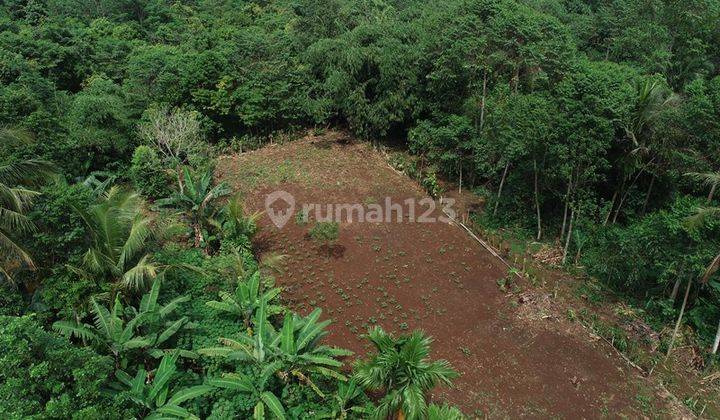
(15, 135)
(273, 261)
(13, 252)
(711, 269)
(27, 172)
(139, 276)
(136, 239)
(701, 215)
(707, 178)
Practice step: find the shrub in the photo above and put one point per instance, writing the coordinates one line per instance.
(147, 173)
(11, 302)
(61, 232)
(43, 375)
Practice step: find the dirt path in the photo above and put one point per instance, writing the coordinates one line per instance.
(430, 276)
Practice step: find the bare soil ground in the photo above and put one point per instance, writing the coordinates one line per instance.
(434, 277)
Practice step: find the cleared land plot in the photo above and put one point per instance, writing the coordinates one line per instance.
(430, 276)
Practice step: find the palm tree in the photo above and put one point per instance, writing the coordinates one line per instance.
(299, 349)
(401, 368)
(149, 329)
(698, 219)
(196, 197)
(152, 391)
(119, 234)
(711, 179)
(16, 195)
(651, 99)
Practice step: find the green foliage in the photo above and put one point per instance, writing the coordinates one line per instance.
(149, 328)
(60, 231)
(402, 370)
(582, 114)
(147, 173)
(154, 395)
(262, 399)
(119, 234)
(44, 376)
(292, 352)
(247, 299)
(448, 144)
(11, 301)
(197, 198)
(234, 225)
(17, 177)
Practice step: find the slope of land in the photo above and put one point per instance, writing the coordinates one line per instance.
(430, 276)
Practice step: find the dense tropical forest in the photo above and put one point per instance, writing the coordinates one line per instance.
(130, 287)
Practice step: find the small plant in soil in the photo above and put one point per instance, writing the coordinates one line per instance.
(325, 232)
(301, 218)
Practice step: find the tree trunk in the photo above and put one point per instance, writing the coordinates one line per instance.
(460, 184)
(679, 320)
(569, 235)
(711, 193)
(675, 289)
(482, 102)
(717, 340)
(502, 182)
(537, 202)
(181, 184)
(612, 206)
(647, 195)
(625, 194)
(565, 213)
(199, 239)
(577, 255)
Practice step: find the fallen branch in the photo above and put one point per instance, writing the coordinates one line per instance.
(484, 244)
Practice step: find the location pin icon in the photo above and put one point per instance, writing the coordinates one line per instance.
(280, 217)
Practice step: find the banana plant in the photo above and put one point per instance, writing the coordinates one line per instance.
(264, 399)
(233, 222)
(245, 347)
(147, 330)
(295, 346)
(247, 299)
(342, 403)
(151, 391)
(196, 198)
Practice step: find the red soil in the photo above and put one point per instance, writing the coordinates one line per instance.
(429, 276)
